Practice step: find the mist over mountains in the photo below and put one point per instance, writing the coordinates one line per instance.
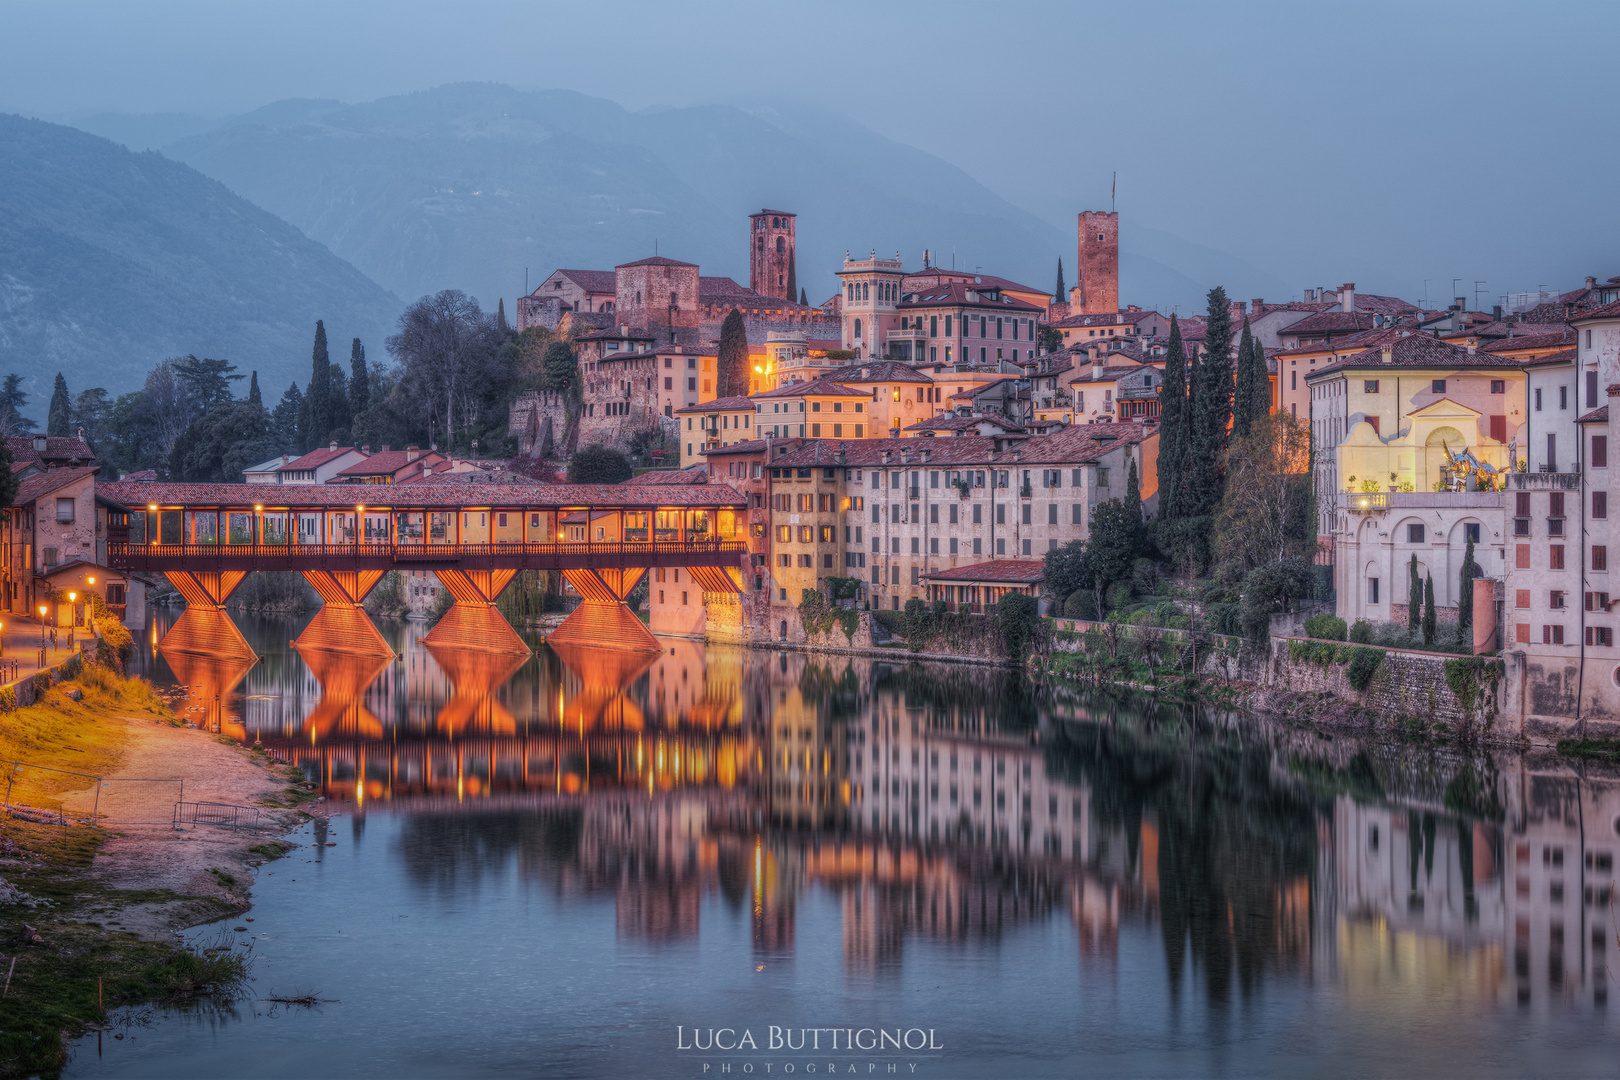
(467, 184)
(111, 261)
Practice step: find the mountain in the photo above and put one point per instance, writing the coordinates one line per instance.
(469, 185)
(111, 261)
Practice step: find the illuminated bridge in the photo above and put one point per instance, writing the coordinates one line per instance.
(206, 538)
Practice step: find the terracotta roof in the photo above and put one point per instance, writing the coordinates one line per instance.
(1562, 356)
(1122, 318)
(1599, 415)
(784, 213)
(878, 371)
(725, 404)
(57, 448)
(692, 474)
(955, 293)
(42, 484)
(388, 462)
(1607, 311)
(596, 281)
(985, 281)
(1552, 339)
(1019, 571)
(614, 333)
(964, 423)
(724, 286)
(1365, 339)
(316, 458)
(656, 260)
(141, 475)
(1110, 374)
(821, 387)
(1419, 351)
(432, 494)
(1330, 322)
(1072, 445)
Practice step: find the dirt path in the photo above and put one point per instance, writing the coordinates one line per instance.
(145, 852)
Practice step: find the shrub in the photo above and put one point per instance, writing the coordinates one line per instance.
(1362, 632)
(8, 698)
(1326, 627)
(1119, 596)
(1017, 617)
(1081, 604)
(1364, 661)
(596, 464)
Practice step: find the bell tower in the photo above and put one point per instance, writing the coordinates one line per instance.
(772, 269)
(1097, 291)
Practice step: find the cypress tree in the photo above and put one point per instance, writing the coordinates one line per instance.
(253, 390)
(59, 418)
(1133, 495)
(1465, 598)
(1243, 394)
(1209, 409)
(1259, 385)
(337, 401)
(500, 316)
(732, 366)
(1172, 426)
(359, 379)
(1428, 610)
(1414, 613)
(793, 273)
(1061, 291)
(318, 396)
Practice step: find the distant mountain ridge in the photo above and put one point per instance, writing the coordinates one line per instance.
(111, 261)
(468, 184)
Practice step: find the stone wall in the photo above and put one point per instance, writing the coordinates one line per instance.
(537, 419)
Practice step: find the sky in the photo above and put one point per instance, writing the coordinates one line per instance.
(1404, 146)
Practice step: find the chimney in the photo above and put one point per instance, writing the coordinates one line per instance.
(412, 453)
(366, 450)
(1256, 305)
(1496, 312)
(40, 444)
(1387, 354)
(1471, 349)
(1591, 282)
(1347, 296)
(1096, 368)
(332, 445)
(1460, 303)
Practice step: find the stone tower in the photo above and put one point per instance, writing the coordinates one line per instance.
(1097, 290)
(770, 254)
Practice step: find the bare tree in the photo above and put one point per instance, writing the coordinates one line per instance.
(1264, 513)
(444, 346)
(168, 404)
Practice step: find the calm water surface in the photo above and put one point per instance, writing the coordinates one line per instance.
(577, 864)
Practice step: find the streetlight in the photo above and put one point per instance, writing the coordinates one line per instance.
(73, 618)
(42, 610)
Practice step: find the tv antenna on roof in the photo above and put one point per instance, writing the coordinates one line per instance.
(1477, 284)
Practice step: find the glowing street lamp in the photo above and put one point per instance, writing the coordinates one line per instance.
(42, 610)
(73, 600)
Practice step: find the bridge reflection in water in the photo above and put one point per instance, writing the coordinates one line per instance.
(947, 805)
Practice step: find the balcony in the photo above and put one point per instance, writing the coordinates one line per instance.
(1545, 481)
(1368, 502)
(1131, 392)
(1377, 502)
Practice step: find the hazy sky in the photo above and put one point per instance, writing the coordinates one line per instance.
(1382, 143)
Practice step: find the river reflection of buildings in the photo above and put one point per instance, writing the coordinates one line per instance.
(952, 806)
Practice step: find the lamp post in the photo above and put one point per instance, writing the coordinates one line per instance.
(73, 617)
(42, 610)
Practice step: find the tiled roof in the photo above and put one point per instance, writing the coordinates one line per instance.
(955, 293)
(1607, 311)
(724, 286)
(878, 371)
(57, 448)
(1109, 374)
(437, 493)
(387, 462)
(1019, 571)
(692, 474)
(1330, 322)
(725, 404)
(656, 260)
(1365, 339)
(1123, 318)
(1418, 351)
(822, 387)
(1374, 304)
(595, 281)
(316, 458)
(1552, 339)
(42, 484)
(1072, 445)
(1599, 415)
(614, 333)
(1562, 356)
(964, 423)
(985, 281)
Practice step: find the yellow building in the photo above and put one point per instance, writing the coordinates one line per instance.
(714, 424)
(819, 409)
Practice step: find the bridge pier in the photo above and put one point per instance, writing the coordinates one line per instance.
(204, 589)
(472, 621)
(343, 587)
(602, 620)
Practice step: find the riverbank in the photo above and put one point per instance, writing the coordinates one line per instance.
(88, 915)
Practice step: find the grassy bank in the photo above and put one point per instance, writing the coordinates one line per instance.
(66, 956)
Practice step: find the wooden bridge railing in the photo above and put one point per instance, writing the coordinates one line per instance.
(382, 556)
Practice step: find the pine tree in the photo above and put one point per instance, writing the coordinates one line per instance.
(1428, 610)
(1209, 409)
(793, 273)
(318, 397)
(1062, 293)
(1465, 598)
(803, 300)
(1414, 613)
(1172, 426)
(500, 316)
(1133, 494)
(1243, 395)
(60, 416)
(732, 365)
(359, 379)
(253, 390)
(285, 420)
(13, 399)
(337, 400)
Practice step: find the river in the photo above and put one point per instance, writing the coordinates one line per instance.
(596, 866)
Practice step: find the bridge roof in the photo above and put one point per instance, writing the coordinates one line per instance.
(136, 493)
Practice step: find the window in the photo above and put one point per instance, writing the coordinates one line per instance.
(1521, 556)
(1075, 508)
(1498, 386)
(1600, 504)
(1591, 389)
(1538, 399)
(784, 534)
(1102, 476)
(1600, 451)
(1555, 504)
(1597, 601)
(1600, 557)
(1521, 504)
(1521, 598)
(1555, 557)
(1555, 600)
(1370, 386)
(1471, 533)
(49, 555)
(1051, 514)
(1552, 635)
(1372, 590)
(1414, 534)
(1599, 635)
(64, 511)
(1438, 386)
(1563, 397)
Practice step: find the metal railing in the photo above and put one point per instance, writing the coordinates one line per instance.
(1546, 481)
(220, 815)
(1367, 502)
